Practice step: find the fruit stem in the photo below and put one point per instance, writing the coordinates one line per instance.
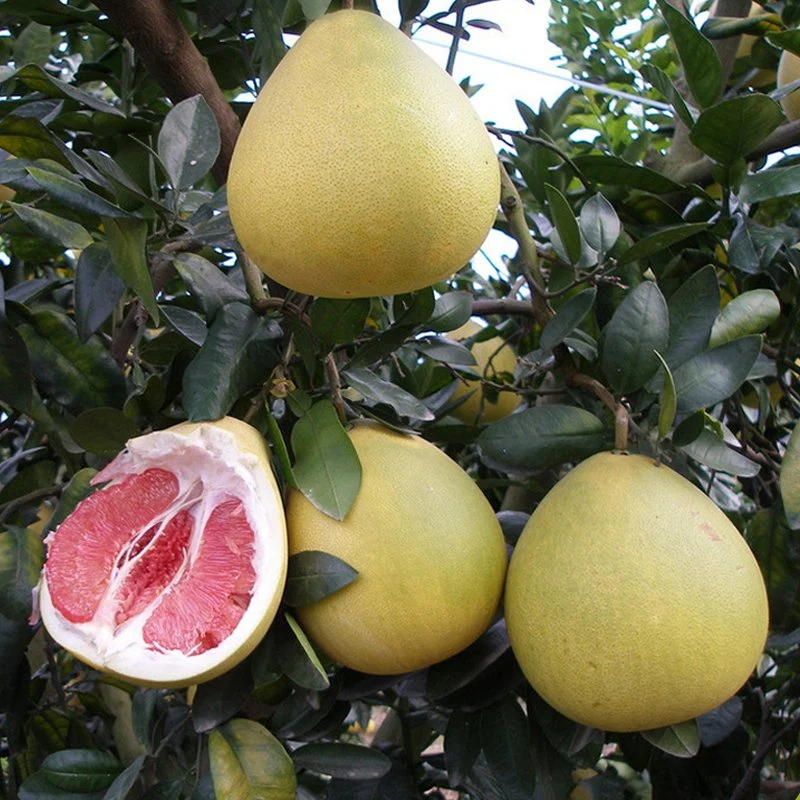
(621, 421)
(252, 280)
(347, 4)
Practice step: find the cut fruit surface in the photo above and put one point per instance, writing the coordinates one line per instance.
(172, 571)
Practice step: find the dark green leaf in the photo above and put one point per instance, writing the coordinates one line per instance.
(719, 723)
(16, 375)
(32, 477)
(239, 351)
(599, 224)
(771, 183)
(314, 575)
(749, 312)
(711, 450)
(298, 658)
(339, 760)
(14, 638)
(21, 559)
(98, 289)
(26, 137)
(505, 741)
(32, 45)
(270, 46)
(103, 431)
(414, 308)
(639, 327)
(73, 194)
(187, 323)
(189, 141)
(713, 375)
(219, 699)
(567, 226)
(667, 400)
(60, 231)
(753, 246)
(569, 316)
(790, 479)
(81, 770)
(38, 787)
(462, 743)
(380, 346)
(377, 390)
(661, 240)
(125, 781)
(681, 740)
(701, 64)
(327, 469)
(692, 311)
(541, 437)
(614, 171)
(447, 352)
(451, 311)
(77, 489)
(208, 283)
(658, 78)
(39, 80)
(733, 128)
(339, 321)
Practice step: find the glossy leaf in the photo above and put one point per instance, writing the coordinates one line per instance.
(339, 321)
(667, 400)
(52, 228)
(33, 44)
(98, 289)
(240, 350)
(567, 226)
(639, 327)
(103, 431)
(218, 700)
(413, 308)
(16, 375)
(81, 770)
(38, 787)
(208, 283)
(569, 317)
(713, 375)
(599, 223)
(189, 142)
(21, 559)
(541, 437)
(314, 575)
(447, 352)
(790, 479)
(753, 246)
(299, 660)
(661, 240)
(42, 81)
(658, 78)
(190, 325)
(379, 391)
(719, 723)
(681, 740)
(505, 741)
(451, 311)
(73, 194)
(613, 171)
(712, 451)
(327, 469)
(342, 760)
(750, 312)
(770, 183)
(693, 307)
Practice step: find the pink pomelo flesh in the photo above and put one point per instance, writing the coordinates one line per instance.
(140, 549)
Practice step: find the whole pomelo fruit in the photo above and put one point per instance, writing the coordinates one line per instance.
(492, 357)
(789, 71)
(632, 602)
(428, 549)
(171, 573)
(362, 168)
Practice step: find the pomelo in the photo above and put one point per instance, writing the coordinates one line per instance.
(171, 573)
(428, 548)
(632, 602)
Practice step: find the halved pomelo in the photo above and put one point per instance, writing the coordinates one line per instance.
(171, 573)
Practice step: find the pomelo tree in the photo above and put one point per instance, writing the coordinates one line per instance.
(651, 295)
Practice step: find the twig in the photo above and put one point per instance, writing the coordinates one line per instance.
(485, 308)
(336, 387)
(459, 27)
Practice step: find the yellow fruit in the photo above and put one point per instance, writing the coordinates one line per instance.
(788, 71)
(362, 168)
(429, 552)
(492, 357)
(6, 194)
(171, 573)
(632, 602)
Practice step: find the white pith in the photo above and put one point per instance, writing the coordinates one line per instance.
(206, 457)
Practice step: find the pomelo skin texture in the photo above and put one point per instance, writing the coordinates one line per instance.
(429, 551)
(171, 573)
(632, 602)
(491, 357)
(362, 168)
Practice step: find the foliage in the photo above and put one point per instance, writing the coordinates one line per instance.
(665, 243)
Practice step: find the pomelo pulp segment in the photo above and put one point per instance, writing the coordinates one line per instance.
(171, 572)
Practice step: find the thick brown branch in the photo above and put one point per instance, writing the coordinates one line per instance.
(171, 58)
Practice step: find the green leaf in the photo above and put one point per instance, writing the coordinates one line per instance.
(661, 240)
(32, 45)
(240, 350)
(681, 740)
(753, 246)
(81, 770)
(78, 488)
(505, 741)
(770, 183)
(299, 660)
(542, 437)
(711, 450)
(190, 325)
(21, 559)
(127, 243)
(341, 760)
(16, 375)
(413, 308)
(189, 142)
(749, 312)
(639, 327)
(26, 137)
(701, 65)
(731, 129)
(599, 224)
(103, 431)
(98, 289)
(208, 283)
(658, 78)
(667, 400)
(377, 390)
(713, 375)
(126, 780)
(73, 194)
(565, 222)
(246, 760)
(790, 479)
(219, 699)
(692, 310)
(613, 171)
(38, 787)
(381, 346)
(69, 235)
(40, 81)
(327, 469)
(452, 353)
(462, 744)
(451, 311)
(314, 575)
(569, 316)
(269, 44)
(339, 321)
(76, 374)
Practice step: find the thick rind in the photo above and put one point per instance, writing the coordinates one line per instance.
(237, 462)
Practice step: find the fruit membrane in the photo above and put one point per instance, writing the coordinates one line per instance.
(171, 572)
